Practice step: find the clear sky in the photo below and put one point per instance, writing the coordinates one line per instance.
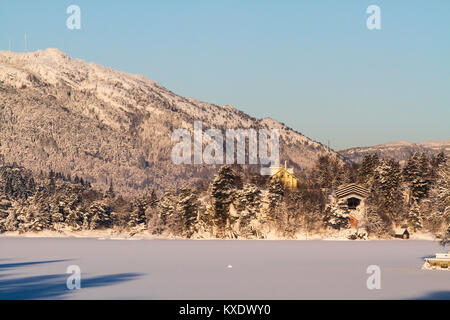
(312, 65)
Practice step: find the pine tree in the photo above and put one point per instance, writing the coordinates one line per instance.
(350, 173)
(99, 215)
(337, 216)
(367, 168)
(152, 217)
(375, 224)
(437, 160)
(110, 193)
(74, 220)
(248, 203)
(416, 174)
(5, 204)
(187, 208)
(414, 217)
(167, 206)
(153, 200)
(41, 221)
(86, 219)
(327, 172)
(223, 192)
(137, 215)
(440, 195)
(275, 192)
(57, 216)
(388, 180)
(289, 216)
(11, 223)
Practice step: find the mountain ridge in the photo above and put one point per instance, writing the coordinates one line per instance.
(397, 150)
(80, 118)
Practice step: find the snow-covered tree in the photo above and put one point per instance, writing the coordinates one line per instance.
(86, 223)
(327, 172)
(440, 196)
(11, 222)
(275, 191)
(99, 215)
(223, 190)
(167, 206)
(110, 193)
(5, 204)
(438, 159)
(367, 168)
(248, 205)
(57, 216)
(187, 208)
(74, 220)
(416, 174)
(137, 216)
(388, 183)
(375, 224)
(415, 218)
(337, 215)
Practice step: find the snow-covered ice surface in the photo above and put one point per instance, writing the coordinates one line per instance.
(34, 268)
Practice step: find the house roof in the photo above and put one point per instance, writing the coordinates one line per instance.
(400, 230)
(351, 188)
(276, 170)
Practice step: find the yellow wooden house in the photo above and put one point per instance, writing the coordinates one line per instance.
(286, 176)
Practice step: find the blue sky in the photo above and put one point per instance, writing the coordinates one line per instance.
(312, 65)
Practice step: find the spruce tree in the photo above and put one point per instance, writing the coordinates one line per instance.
(415, 218)
(248, 203)
(110, 193)
(223, 192)
(337, 216)
(100, 215)
(389, 183)
(440, 196)
(416, 174)
(51, 182)
(275, 192)
(375, 224)
(11, 223)
(74, 220)
(327, 172)
(167, 206)
(367, 168)
(153, 199)
(137, 215)
(187, 208)
(438, 159)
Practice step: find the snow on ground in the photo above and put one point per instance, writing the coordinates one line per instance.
(342, 235)
(34, 268)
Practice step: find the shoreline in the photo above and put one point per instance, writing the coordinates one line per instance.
(116, 235)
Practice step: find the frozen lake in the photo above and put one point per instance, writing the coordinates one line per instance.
(34, 268)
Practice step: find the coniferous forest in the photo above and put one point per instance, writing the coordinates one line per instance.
(239, 203)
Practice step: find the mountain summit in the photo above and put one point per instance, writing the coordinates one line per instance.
(84, 119)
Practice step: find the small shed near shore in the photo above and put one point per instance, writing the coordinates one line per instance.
(402, 233)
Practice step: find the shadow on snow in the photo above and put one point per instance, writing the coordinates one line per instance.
(51, 286)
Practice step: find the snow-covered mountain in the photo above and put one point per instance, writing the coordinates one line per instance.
(83, 119)
(398, 150)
